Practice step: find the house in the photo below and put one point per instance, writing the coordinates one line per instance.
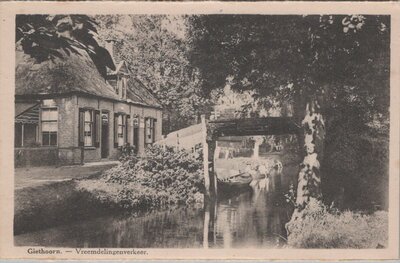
(67, 113)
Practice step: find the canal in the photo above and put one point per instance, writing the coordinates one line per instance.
(244, 220)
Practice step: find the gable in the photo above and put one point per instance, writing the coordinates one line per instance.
(138, 92)
(121, 68)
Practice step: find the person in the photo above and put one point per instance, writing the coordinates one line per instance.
(264, 181)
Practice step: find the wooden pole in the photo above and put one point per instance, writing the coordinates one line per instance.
(206, 226)
(215, 155)
(205, 155)
(22, 134)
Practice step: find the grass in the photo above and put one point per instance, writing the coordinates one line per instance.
(317, 227)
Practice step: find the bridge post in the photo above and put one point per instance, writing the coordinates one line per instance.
(212, 145)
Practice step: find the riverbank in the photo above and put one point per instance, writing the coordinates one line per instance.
(162, 179)
(319, 226)
(54, 204)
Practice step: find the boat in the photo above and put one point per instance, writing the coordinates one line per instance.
(235, 184)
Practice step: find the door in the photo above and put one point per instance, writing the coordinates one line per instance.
(136, 139)
(136, 133)
(105, 134)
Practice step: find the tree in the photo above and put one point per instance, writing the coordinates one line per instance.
(156, 50)
(44, 36)
(322, 64)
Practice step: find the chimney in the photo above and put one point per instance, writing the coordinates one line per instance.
(110, 45)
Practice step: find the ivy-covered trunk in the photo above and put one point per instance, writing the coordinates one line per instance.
(309, 180)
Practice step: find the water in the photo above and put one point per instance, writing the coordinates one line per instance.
(246, 220)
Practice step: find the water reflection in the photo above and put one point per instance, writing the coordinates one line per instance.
(245, 221)
(241, 221)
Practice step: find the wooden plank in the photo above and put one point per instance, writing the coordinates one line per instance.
(206, 226)
(22, 135)
(205, 155)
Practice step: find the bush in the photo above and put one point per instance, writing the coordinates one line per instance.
(318, 227)
(162, 177)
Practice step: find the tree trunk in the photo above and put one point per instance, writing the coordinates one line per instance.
(309, 180)
(312, 144)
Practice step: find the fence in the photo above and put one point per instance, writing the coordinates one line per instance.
(187, 138)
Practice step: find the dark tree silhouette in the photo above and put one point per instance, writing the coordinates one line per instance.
(44, 36)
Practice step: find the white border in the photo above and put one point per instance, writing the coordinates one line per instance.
(7, 27)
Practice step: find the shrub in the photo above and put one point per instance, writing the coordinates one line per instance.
(318, 227)
(160, 178)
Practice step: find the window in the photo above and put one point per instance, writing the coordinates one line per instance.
(49, 117)
(150, 130)
(119, 84)
(89, 127)
(120, 129)
(124, 86)
(88, 130)
(113, 83)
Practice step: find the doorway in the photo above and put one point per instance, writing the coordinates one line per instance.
(136, 139)
(104, 134)
(136, 133)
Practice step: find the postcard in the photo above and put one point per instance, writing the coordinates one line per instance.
(199, 130)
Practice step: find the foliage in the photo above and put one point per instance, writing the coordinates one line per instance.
(342, 61)
(320, 227)
(43, 36)
(356, 171)
(163, 177)
(290, 196)
(128, 153)
(288, 55)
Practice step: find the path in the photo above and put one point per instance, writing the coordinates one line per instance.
(36, 176)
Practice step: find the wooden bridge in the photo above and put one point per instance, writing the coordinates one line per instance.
(216, 129)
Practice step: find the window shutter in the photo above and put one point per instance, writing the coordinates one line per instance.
(115, 130)
(154, 129)
(123, 129)
(96, 128)
(147, 131)
(81, 127)
(127, 127)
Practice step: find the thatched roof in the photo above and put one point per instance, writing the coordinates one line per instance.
(138, 92)
(72, 73)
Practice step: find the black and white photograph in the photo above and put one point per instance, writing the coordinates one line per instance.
(201, 131)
